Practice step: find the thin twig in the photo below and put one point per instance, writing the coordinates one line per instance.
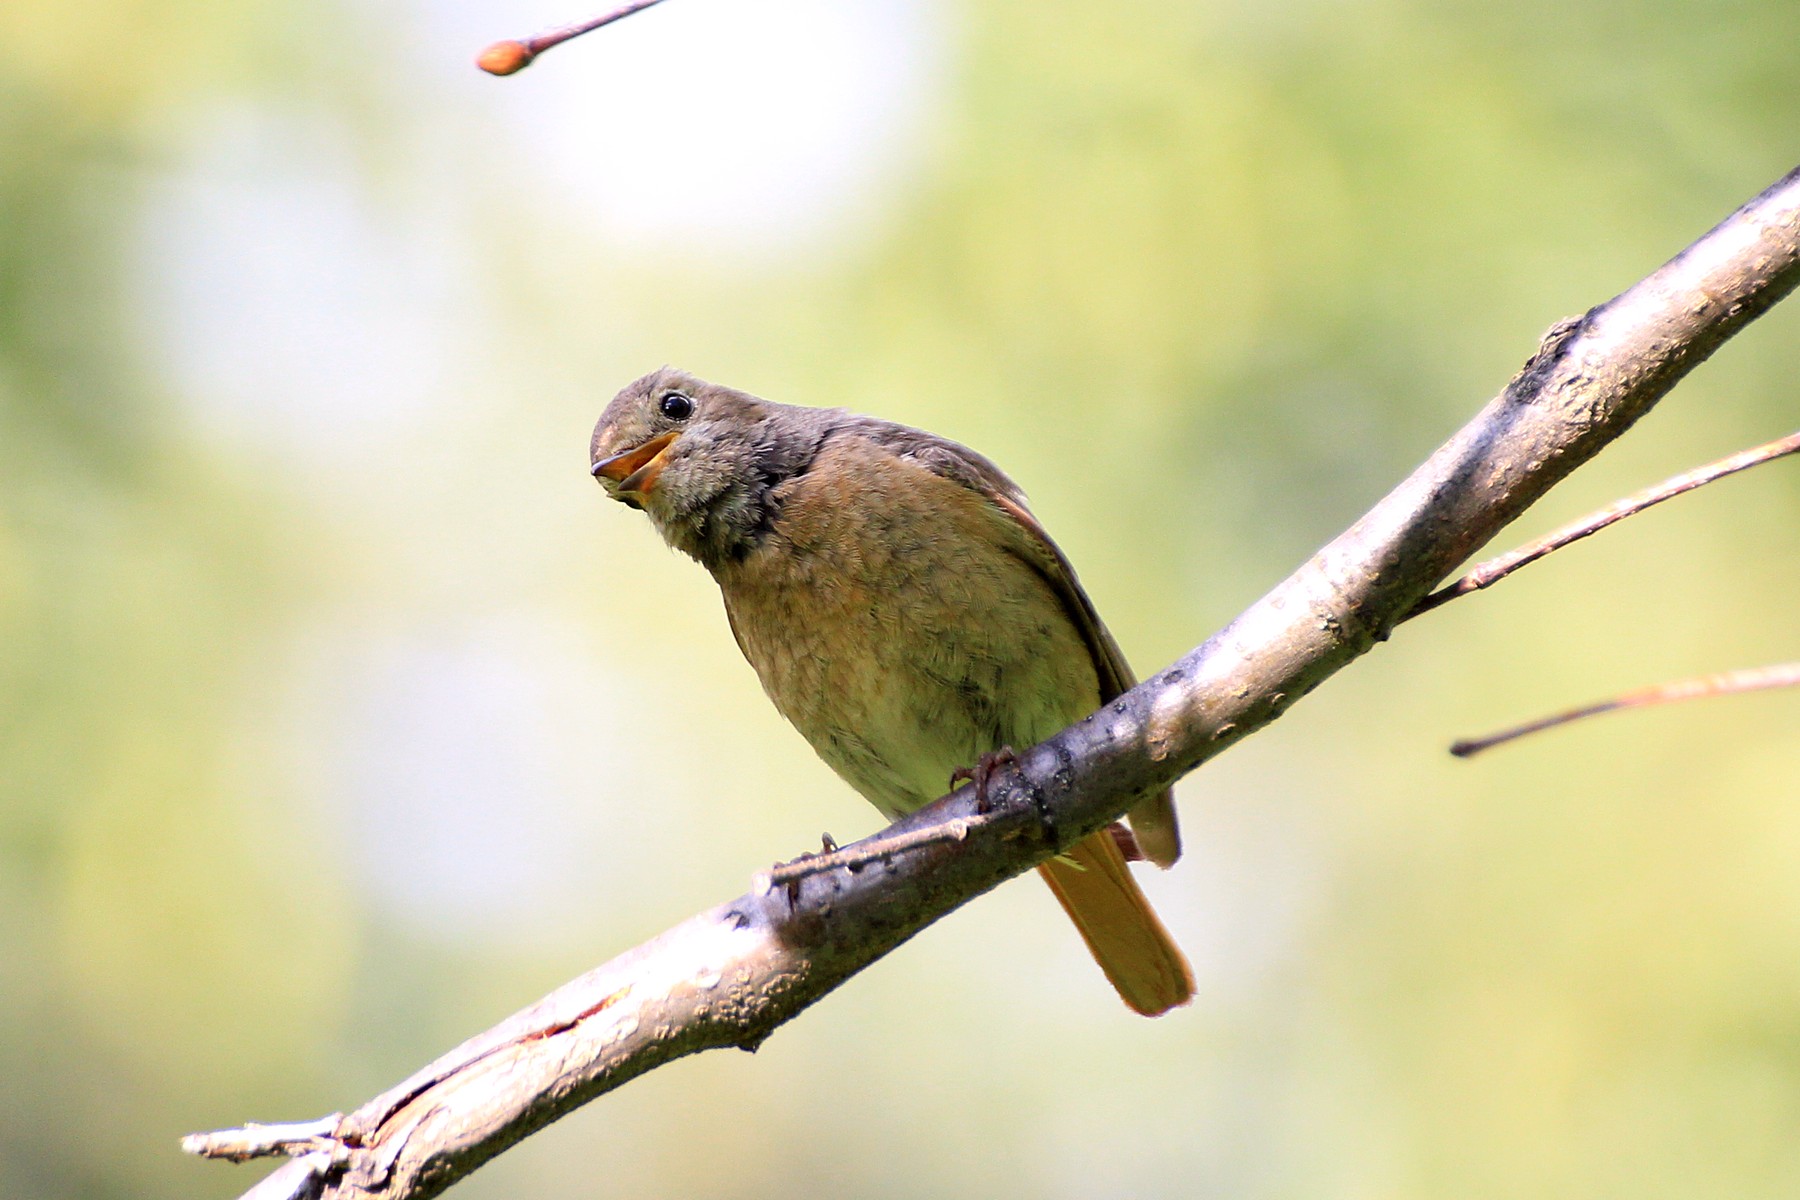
(254, 1140)
(511, 56)
(861, 854)
(1496, 569)
(1726, 683)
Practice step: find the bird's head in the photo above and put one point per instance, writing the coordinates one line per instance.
(699, 459)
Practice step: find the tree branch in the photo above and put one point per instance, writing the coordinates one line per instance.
(1700, 687)
(1495, 569)
(729, 977)
(511, 56)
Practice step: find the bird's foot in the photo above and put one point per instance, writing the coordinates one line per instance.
(982, 772)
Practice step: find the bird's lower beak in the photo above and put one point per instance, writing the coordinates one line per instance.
(635, 470)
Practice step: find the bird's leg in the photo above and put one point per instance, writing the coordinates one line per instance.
(1126, 840)
(982, 772)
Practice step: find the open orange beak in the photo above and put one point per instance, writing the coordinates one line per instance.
(636, 470)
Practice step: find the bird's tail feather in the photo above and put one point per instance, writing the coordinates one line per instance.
(1121, 930)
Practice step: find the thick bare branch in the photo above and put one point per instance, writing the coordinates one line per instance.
(729, 977)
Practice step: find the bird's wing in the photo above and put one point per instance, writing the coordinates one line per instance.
(1152, 820)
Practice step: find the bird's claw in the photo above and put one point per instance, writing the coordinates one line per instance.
(982, 773)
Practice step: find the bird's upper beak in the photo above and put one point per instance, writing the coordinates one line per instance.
(636, 470)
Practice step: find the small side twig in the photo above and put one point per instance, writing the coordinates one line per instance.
(256, 1140)
(511, 56)
(1726, 683)
(881, 846)
(1496, 569)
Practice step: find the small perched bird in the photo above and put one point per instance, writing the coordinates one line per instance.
(905, 612)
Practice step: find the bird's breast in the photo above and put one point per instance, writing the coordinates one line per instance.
(890, 624)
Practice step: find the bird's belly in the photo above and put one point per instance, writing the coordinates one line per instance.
(901, 660)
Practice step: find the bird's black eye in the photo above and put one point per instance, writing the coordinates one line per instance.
(676, 406)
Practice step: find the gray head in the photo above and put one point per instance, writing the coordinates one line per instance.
(702, 460)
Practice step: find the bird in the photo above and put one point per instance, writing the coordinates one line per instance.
(904, 611)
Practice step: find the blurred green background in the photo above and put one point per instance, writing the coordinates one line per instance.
(339, 716)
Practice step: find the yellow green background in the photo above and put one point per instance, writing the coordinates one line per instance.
(340, 716)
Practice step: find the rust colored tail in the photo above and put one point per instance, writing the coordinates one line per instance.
(1120, 928)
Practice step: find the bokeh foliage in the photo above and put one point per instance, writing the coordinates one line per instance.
(329, 737)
